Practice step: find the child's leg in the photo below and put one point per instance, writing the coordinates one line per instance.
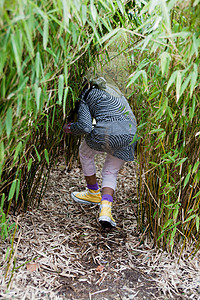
(110, 171)
(87, 162)
(92, 195)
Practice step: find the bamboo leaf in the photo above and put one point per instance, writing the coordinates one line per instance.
(197, 195)
(190, 218)
(144, 76)
(192, 109)
(187, 177)
(2, 201)
(47, 126)
(45, 32)
(75, 35)
(165, 60)
(182, 34)
(154, 163)
(110, 35)
(37, 96)
(3, 55)
(164, 105)
(145, 42)
(30, 164)
(46, 156)
(17, 191)
(84, 13)
(167, 224)
(156, 130)
(197, 223)
(105, 6)
(9, 122)
(141, 125)
(16, 52)
(121, 6)
(166, 15)
(22, 85)
(172, 237)
(38, 155)
(171, 80)
(17, 151)
(185, 84)
(195, 167)
(2, 149)
(64, 102)
(1, 169)
(75, 7)
(160, 236)
(28, 33)
(135, 76)
(12, 189)
(93, 10)
(181, 161)
(195, 44)
(196, 2)
(60, 89)
(178, 85)
(66, 12)
(170, 113)
(152, 5)
(193, 79)
(66, 74)
(106, 24)
(37, 65)
(175, 213)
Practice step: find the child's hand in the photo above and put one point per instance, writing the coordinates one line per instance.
(66, 128)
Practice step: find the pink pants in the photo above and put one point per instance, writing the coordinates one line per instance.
(110, 169)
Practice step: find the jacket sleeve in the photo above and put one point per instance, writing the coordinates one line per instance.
(84, 123)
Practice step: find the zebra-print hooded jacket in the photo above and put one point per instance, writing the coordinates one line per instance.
(115, 129)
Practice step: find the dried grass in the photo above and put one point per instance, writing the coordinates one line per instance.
(62, 253)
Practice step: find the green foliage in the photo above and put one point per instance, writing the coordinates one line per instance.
(5, 228)
(45, 48)
(166, 81)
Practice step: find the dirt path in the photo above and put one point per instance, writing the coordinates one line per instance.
(62, 252)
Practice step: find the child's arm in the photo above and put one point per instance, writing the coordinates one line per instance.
(84, 123)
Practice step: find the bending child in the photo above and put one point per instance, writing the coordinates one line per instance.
(113, 133)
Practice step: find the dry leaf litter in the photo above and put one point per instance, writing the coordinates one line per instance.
(61, 252)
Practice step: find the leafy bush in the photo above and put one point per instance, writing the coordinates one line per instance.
(166, 81)
(45, 49)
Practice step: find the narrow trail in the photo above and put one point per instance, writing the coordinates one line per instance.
(62, 252)
(70, 256)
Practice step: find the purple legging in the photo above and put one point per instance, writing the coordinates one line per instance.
(110, 169)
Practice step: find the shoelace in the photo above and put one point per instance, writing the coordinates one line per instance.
(104, 205)
(85, 193)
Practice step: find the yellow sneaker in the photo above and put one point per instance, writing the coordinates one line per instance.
(105, 216)
(87, 197)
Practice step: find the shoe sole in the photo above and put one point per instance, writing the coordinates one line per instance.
(83, 201)
(106, 222)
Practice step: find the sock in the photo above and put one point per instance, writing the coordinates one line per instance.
(93, 187)
(107, 198)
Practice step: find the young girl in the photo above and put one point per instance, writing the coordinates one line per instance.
(114, 133)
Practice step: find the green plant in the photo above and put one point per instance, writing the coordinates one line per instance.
(167, 81)
(46, 47)
(164, 56)
(5, 228)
